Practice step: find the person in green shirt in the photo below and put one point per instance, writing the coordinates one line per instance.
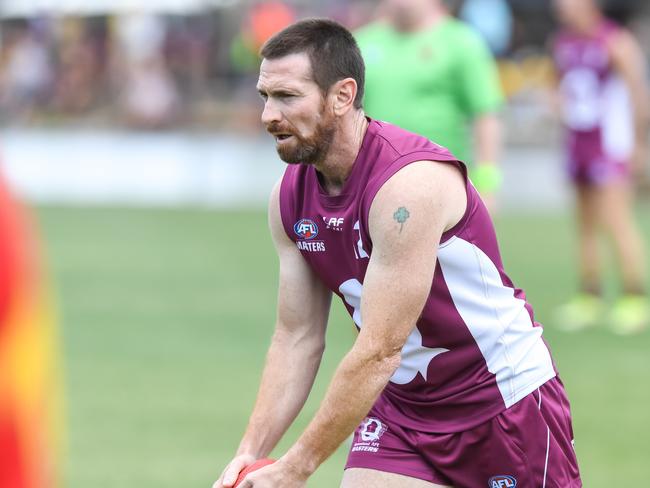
(432, 74)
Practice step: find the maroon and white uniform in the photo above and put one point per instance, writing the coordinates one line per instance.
(476, 349)
(597, 112)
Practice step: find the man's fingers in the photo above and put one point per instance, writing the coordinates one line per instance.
(219, 482)
(232, 472)
(229, 477)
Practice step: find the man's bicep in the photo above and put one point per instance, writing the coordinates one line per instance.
(303, 299)
(414, 207)
(407, 219)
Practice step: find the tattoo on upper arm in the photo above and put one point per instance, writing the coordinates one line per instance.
(401, 215)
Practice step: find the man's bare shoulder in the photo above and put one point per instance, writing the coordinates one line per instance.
(435, 189)
(280, 238)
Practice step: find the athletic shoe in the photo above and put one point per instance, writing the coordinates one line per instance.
(630, 315)
(582, 312)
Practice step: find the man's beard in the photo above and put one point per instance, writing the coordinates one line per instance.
(309, 150)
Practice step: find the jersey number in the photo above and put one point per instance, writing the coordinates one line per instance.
(359, 252)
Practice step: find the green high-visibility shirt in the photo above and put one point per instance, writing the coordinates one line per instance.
(432, 82)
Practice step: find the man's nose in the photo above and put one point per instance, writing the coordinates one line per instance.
(270, 113)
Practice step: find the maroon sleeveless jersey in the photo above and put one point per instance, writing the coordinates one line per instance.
(476, 349)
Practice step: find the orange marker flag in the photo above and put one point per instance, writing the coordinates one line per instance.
(29, 376)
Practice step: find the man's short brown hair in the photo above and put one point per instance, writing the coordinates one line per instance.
(333, 53)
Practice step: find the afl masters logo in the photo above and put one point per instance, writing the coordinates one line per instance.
(306, 229)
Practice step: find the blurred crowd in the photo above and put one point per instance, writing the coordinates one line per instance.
(136, 69)
(145, 69)
(156, 70)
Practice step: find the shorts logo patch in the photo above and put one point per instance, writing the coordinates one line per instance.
(370, 431)
(502, 481)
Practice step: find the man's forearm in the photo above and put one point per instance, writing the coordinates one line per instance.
(357, 383)
(291, 366)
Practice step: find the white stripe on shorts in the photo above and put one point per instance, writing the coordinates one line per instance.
(548, 438)
(548, 445)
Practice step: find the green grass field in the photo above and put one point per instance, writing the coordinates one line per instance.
(166, 316)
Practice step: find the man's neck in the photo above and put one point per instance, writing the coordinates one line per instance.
(337, 166)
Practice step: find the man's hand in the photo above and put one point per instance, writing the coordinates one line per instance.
(278, 474)
(229, 475)
(298, 341)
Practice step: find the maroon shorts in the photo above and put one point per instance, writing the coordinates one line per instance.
(529, 445)
(590, 164)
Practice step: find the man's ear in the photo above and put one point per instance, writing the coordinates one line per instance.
(343, 93)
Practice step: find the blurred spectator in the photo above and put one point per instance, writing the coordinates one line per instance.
(431, 74)
(149, 97)
(262, 20)
(140, 36)
(147, 90)
(266, 18)
(25, 81)
(79, 67)
(188, 50)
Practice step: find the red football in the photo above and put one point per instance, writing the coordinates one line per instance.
(260, 463)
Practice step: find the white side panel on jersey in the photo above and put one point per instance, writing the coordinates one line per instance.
(499, 322)
(618, 121)
(415, 356)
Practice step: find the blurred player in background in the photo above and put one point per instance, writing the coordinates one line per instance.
(604, 101)
(449, 369)
(432, 74)
(29, 387)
